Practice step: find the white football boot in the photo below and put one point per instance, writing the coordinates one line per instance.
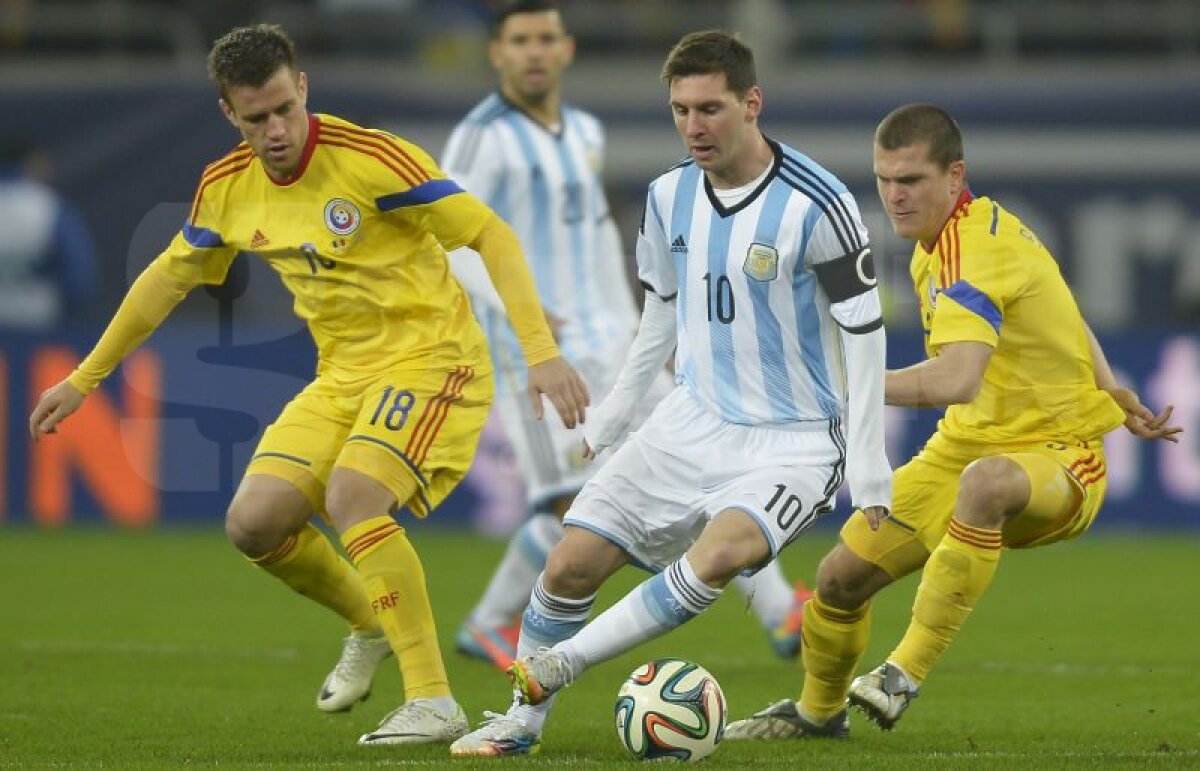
(417, 722)
(498, 736)
(883, 694)
(782, 720)
(350, 680)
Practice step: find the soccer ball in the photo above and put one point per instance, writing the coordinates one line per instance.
(670, 709)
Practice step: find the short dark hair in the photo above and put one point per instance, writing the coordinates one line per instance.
(508, 10)
(709, 52)
(249, 56)
(914, 124)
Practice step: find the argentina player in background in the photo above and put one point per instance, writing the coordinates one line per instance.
(539, 161)
(758, 273)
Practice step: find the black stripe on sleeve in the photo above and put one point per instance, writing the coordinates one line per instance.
(870, 326)
(664, 297)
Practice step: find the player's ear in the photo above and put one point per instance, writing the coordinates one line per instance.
(568, 50)
(494, 53)
(302, 87)
(754, 103)
(958, 176)
(227, 111)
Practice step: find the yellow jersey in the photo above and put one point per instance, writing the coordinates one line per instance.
(989, 280)
(359, 236)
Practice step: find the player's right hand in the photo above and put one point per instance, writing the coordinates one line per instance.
(53, 407)
(568, 393)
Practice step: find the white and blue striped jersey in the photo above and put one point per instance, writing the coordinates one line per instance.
(547, 186)
(757, 339)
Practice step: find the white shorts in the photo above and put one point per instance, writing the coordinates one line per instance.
(550, 454)
(685, 465)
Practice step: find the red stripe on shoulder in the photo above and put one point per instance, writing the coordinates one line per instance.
(388, 145)
(941, 253)
(392, 164)
(237, 154)
(208, 179)
(957, 253)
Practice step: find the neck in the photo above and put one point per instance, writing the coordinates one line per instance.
(962, 199)
(547, 111)
(750, 165)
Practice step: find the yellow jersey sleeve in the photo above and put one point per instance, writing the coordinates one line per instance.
(979, 279)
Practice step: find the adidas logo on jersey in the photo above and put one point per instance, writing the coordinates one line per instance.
(679, 245)
(259, 240)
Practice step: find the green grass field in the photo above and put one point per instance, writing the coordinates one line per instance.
(167, 649)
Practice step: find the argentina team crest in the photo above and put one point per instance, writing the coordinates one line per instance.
(762, 262)
(342, 217)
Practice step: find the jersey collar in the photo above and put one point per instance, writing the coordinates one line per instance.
(959, 210)
(310, 144)
(719, 207)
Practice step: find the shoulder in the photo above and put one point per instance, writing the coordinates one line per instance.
(375, 151)
(587, 124)
(219, 177)
(486, 112)
(807, 176)
(987, 228)
(228, 165)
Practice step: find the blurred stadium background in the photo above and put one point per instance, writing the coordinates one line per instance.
(1083, 117)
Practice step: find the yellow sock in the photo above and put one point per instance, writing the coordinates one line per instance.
(956, 576)
(832, 643)
(308, 563)
(395, 582)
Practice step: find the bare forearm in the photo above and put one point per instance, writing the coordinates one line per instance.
(1105, 379)
(922, 385)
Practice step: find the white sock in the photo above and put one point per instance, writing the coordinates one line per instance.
(658, 605)
(507, 593)
(769, 594)
(549, 619)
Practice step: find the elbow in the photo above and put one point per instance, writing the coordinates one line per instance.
(963, 391)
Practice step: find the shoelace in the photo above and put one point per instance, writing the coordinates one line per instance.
(406, 715)
(354, 656)
(558, 663)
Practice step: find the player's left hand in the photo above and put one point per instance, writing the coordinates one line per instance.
(1140, 421)
(562, 384)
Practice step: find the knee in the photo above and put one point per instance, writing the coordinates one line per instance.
(252, 529)
(720, 563)
(577, 565)
(845, 582)
(990, 491)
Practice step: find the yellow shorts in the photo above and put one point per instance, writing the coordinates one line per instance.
(1067, 483)
(404, 425)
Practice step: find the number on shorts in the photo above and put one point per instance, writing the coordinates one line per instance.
(397, 414)
(789, 511)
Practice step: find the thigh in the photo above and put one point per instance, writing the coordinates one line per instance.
(1067, 486)
(416, 431)
(300, 447)
(783, 480)
(923, 495)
